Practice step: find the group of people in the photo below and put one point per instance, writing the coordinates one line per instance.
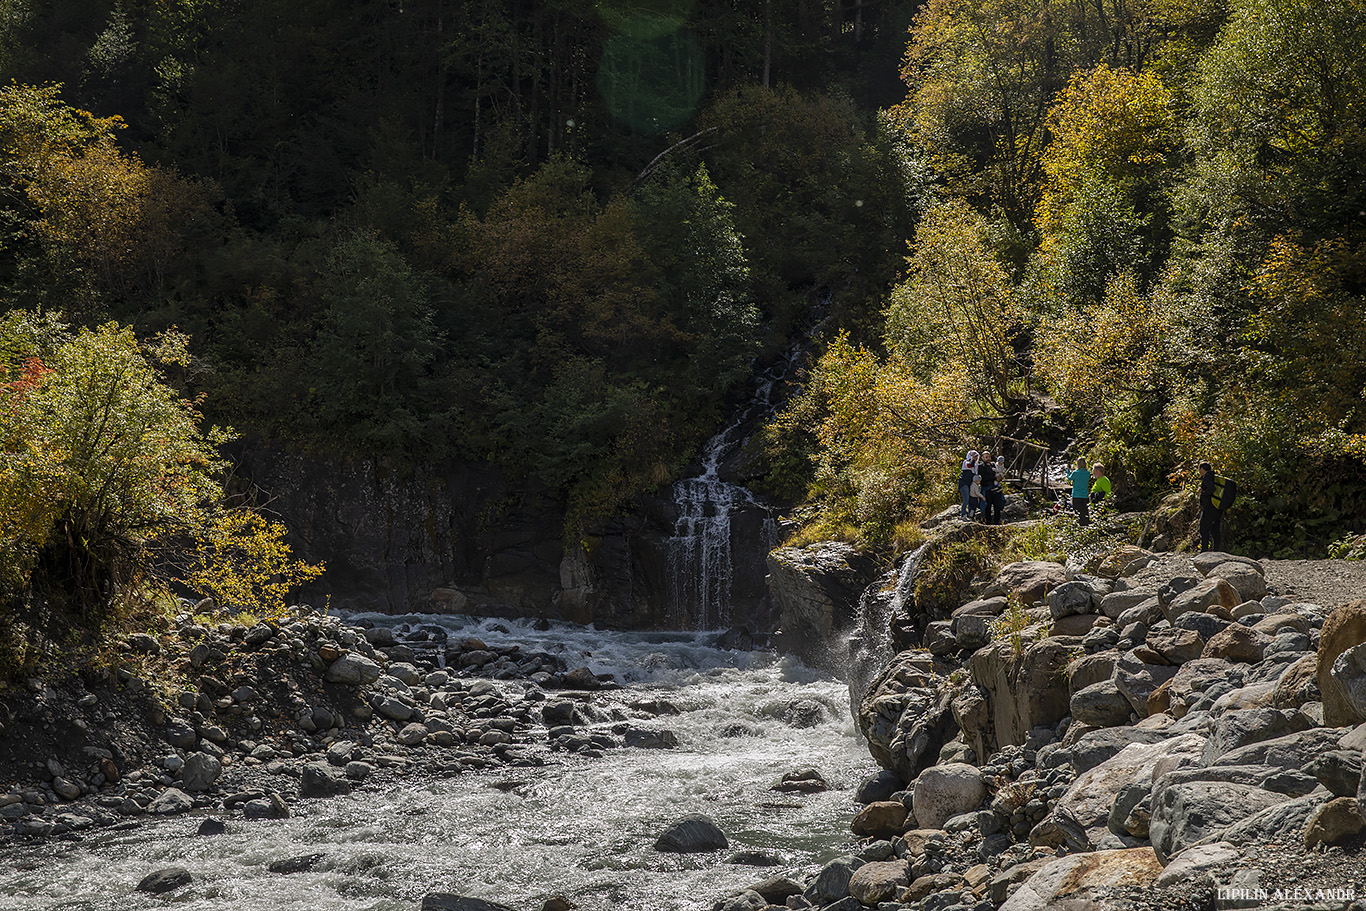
(1089, 488)
(979, 486)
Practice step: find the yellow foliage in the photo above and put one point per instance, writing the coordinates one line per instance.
(241, 560)
(1109, 351)
(1113, 125)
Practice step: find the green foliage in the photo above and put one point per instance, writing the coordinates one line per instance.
(1012, 623)
(946, 572)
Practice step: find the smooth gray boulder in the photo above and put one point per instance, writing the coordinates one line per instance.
(692, 834)
(353, 670)
(1184, 814)
(1101, 704)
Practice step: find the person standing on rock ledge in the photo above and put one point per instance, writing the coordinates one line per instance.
(1081, 492)
(1210, 514)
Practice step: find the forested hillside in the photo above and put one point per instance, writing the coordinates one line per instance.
(1142, 226)
(555, 235)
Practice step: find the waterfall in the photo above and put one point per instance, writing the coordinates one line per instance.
(871, 646)
(701, 549)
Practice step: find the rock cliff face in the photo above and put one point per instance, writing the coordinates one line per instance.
(464, 539)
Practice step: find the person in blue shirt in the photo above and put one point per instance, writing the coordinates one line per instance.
(1081, 492)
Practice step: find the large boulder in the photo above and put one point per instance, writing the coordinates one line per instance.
(945, 791)
(1030, 579)
(1236, 643)
(1024, 689)
(1184, 814)
(1066, 881)
(1202, 596)
(1206, 563)
(907, 715)
(1247, 579)
(879, 881)
(353, 670)
(692, 834)
(1101, 704)
(1234, 730)
(1136, 679)
(200, 772)
(816, 589)
(880, 819)
(1349, 674)
(1333, 823)
(1344, 628)
(1088, 802)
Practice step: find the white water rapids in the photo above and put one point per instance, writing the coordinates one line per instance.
(581, 827)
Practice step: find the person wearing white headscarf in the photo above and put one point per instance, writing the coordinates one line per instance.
(965, 478)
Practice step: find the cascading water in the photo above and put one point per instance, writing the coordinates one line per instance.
(701, 548)
(581, 827)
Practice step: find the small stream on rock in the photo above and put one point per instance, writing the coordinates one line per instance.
(581, 827)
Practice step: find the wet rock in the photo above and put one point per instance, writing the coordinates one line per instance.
(776, 889)
(1074, 876)
(445, 901)
(907, 714)
(169, 802)
(1343, 629)
(880, 819)
(816, 588)
(1333, 823)
(300, 864)
(692, 834)
(832, 883)
(200, 773)
(942, 792)
(318, 779)
(210, 827)
(163, 881)
(745, 901)
(879, 787)
(803, 781)
(651, 739)
(755, 859)
(271, 806)
(879, 881)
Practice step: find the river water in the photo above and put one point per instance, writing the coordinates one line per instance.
(581, 827)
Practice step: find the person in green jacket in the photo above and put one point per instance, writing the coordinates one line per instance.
(1100, 485)
(1081, 492)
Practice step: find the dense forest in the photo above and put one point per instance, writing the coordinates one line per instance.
(557, 235)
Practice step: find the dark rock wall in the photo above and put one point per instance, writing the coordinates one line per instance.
(464, 539)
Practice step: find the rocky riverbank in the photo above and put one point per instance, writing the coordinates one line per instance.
(1138, 730)
(265, 716)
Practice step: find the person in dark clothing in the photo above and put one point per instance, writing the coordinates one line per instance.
(986, 473)
(1210, 515)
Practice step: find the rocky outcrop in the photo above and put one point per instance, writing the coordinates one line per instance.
(816, 589)
(1344, 629)
(465, 538)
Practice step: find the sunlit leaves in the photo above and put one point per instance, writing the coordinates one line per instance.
(241, 560)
